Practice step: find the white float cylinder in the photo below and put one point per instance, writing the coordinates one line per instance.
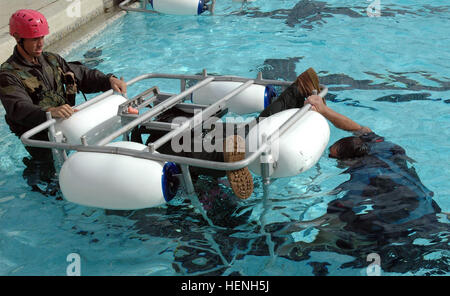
(255, 98)
(113, 181)
(298, 149)
(82, 121)
(180, 7)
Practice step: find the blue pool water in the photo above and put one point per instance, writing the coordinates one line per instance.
(390, 73)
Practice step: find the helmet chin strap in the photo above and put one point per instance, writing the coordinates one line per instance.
(20, 42)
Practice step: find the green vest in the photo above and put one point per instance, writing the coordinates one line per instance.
(36, 88)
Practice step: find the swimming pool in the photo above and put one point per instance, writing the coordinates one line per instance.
(390, 73)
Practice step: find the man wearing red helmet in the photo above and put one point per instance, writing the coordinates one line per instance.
(33, 82)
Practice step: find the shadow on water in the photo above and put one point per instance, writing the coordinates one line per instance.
(92, 57)
(285, 69)
(202, 248)
(308, 13)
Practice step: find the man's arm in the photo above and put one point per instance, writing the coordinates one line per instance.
(18, 104)
(338, 120)
(93, 80)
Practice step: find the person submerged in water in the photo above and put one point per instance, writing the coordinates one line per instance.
(384, 206)
(377, 168)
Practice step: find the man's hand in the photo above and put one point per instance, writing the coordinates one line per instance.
(317, 103)
(118, 85)
(363, 130)
(64, 111)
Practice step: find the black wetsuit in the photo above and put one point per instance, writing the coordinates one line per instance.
(383, 193)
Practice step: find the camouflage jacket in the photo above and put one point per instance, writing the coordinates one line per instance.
(27, 90)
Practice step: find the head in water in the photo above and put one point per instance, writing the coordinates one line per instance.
(349, 147)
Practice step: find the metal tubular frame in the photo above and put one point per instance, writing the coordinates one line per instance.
(263, 151)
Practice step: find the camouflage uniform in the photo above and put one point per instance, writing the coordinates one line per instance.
(27, 90)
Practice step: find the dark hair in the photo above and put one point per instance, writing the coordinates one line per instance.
(350, 147)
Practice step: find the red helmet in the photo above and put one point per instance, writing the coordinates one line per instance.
(27, 23)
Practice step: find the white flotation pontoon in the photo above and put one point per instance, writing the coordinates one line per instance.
(255, 98)
(101, 167)
(299, 147)
(175, 7)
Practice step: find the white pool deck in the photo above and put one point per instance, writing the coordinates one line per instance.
(64, 18)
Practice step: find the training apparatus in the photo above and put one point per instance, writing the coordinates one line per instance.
(176, 7)
(180, 7)
(101, 167)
